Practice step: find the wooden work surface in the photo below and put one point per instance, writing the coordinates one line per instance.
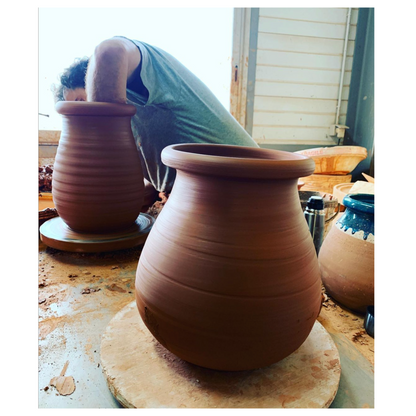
(141, 373)
(80, 293)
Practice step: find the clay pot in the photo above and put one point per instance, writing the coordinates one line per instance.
(228, 278)
(98, 180)
(347, 254)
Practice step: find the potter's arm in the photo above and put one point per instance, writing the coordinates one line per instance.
(113, 62)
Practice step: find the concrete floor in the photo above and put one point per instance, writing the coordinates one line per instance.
(80, 293)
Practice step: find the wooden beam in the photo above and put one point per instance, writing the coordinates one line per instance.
(49, 136)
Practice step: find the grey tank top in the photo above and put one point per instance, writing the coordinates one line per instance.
(174, 106)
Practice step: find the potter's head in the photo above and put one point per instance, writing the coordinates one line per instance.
(72, 82)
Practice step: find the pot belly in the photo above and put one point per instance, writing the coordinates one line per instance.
(227, 312)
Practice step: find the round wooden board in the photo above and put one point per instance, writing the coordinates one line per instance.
(141, 373)
(56, 234)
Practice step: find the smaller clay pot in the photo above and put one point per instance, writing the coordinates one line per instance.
(98, 180)
(346, 257)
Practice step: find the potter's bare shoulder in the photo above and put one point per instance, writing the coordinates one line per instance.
(120, 48)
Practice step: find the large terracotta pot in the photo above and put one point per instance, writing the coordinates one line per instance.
(228, 278)
(347, 254)
(98, 180)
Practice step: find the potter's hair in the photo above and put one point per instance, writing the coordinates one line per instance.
(72, 77)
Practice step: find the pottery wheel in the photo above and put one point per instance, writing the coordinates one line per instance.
(141, 373)
(56, 234)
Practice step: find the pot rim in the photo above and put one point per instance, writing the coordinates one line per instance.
(237, 161)
(360, 202)
(92, 108)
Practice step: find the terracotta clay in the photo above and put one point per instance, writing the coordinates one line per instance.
(97, 180)
(228, 278)
(346, 256)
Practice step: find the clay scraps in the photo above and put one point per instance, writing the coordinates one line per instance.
(45, 178)
(65, 385)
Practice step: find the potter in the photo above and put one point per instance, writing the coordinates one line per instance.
(228, 278)
(172, 104)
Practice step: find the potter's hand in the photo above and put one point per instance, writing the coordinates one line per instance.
(113, 62)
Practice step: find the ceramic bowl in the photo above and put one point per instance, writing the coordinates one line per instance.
(341, 190)
(337, 160)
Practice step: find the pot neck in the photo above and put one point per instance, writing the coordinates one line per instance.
(213, 190)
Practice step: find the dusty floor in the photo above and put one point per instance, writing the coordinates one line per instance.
(78, 295)
(337, 318)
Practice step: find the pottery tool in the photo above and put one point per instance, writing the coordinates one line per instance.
(64, 384)
(55, 233)
(141, 373)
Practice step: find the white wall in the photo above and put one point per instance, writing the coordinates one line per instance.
(298, 72)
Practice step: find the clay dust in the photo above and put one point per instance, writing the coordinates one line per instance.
(337, 318)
